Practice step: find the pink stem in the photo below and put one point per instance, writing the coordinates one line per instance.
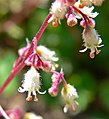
(43, 27)
(17, 62)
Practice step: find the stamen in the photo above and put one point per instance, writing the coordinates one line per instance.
(98, 51)
(29, 98)
(92, 55)
(54, 23)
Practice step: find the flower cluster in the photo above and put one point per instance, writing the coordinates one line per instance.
(81, 9)
(42, 58)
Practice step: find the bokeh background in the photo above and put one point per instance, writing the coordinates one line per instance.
(21, 19)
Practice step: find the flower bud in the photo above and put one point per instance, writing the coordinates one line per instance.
(71, 21)
(83, 23)
(53, 91)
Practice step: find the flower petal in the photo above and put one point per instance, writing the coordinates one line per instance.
(84, 50)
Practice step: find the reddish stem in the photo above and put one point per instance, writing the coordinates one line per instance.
(84, 16)
(43, 27)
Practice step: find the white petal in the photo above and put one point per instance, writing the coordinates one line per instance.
(84, 50)
(100, 41)
(65, 109)
(41, 92)
(21, 90)
(55, 58)
(93, 15)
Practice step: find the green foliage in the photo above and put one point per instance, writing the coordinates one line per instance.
(6, 63)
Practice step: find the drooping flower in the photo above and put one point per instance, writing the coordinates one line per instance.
(31, 84)
(70, 95)
(58, 11)
(86, 10)
(47, 55)
(91, 41)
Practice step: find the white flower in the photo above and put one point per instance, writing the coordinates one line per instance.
(58, 10)
(85, 10)
(46, 54)
(88, 11)
(91, 41)
(69, 94)
(31, 83)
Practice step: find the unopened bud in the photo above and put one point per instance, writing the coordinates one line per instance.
(53, 91)
(71, 21)
(55, 22)
(83, 23)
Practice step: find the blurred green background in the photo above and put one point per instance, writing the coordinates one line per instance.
(21, 19)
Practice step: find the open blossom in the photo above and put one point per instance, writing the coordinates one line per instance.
(48, 55)
(88, 11)
(58, 10)
(31, 84)
(69, 94)
(91, 41)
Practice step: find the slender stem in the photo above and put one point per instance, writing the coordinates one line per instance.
(43, 27)
(61, 75)
(3, 113)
